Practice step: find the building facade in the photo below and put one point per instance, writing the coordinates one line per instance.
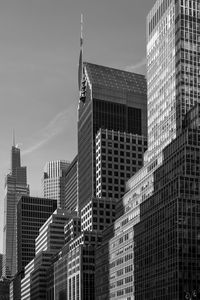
(71, 186)
(173, 37)
(118, 157)
(15, 186)
(32, 213)
(167, 259)
(53, 181)
(114, 277)
(98, 214)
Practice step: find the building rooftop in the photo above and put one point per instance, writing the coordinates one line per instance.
(114, 78)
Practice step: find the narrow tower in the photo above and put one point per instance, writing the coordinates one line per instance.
(15, 186)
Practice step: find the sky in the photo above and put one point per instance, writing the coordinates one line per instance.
(39, 52)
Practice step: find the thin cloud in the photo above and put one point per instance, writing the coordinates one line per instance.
(52, 129)
(136, 66)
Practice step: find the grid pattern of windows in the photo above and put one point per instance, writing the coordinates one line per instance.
(72, 229)
(98, 214)
(81, 266)
(54, 180)
(161, 80)
(32, 212)
(121, 264)
(166, 239)
(174, 86)
(118, 157)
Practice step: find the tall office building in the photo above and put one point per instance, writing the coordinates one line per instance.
(173, 84)
(15, 186)
(32, 213)
(110, 99)
(173, 80)
(173, 60)
(54, 181)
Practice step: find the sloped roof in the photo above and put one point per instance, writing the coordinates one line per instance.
(114, 78)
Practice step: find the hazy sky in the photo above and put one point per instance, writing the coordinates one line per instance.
(39, 51)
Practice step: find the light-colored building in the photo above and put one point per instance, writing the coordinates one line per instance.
(173, 84)
(173, 37)
(51, 233)
(53, 181)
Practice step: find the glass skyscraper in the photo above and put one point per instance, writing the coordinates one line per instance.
(173, 76)
(173, 81)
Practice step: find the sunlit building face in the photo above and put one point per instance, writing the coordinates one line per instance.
(173, 60)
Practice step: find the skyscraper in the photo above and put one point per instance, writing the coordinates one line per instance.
(173, 60)
(173, 81)
(110, 99)
(173, 78)
(54, 181)
(15, 186)
(32, 213)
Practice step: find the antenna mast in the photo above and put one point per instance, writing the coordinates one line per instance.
(13, 137)
(80, 67)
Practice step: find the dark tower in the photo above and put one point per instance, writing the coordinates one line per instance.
(109, 99)
(15, 185)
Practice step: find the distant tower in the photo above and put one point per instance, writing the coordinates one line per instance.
(15, 186)
(54, 181)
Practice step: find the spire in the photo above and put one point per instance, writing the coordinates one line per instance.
(81, 40)
(13, 137)
(80, 67)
